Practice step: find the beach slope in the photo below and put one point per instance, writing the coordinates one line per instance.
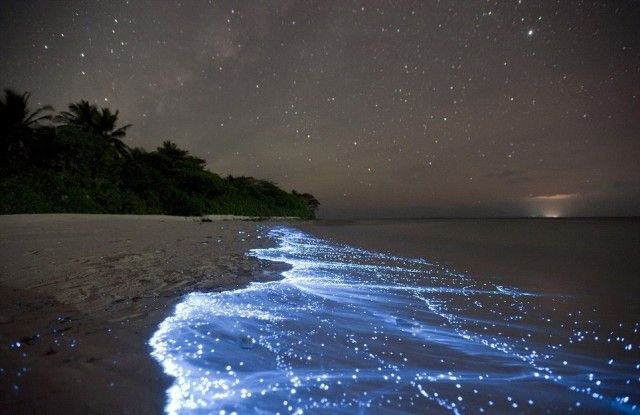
(82, 294)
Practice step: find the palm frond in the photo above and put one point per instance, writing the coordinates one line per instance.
(120, 132)
(34, 117)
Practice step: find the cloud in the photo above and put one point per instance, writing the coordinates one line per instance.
(558, 196)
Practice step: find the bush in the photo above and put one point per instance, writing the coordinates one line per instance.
(83, 166)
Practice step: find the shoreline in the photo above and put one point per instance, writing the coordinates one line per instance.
(35, 217)
(83, 294)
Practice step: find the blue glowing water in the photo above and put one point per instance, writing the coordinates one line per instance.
(352, 331)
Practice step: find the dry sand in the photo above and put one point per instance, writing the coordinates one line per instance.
(82, 294)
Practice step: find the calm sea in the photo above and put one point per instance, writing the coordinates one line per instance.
(419, 316)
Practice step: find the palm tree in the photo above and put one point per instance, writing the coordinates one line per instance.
(17, 123)
(105, 125)
(96, 121)
(81, 114)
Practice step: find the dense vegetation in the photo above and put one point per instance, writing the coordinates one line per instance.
(76, 161)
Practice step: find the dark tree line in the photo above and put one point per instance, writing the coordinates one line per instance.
(77, 161)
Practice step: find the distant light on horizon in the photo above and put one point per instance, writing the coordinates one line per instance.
(558, 196)
(550, 209)
(314, 98)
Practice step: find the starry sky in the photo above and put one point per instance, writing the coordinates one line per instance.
(379, 109)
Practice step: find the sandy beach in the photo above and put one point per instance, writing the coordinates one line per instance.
(82, 294)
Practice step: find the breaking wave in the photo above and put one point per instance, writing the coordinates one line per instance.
(352, 331)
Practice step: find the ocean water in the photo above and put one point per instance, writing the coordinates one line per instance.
(349, 330)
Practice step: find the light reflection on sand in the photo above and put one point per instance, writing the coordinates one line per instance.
(348, 330)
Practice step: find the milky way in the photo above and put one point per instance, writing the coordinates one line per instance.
(377, 108)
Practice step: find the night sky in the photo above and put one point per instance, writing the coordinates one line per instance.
(379, 109)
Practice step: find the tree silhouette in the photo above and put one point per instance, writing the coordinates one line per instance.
(81, 115)
(106, 127)
(312, 203)
(18, 123)
(180, 157)
(77, 166)
(99, 121)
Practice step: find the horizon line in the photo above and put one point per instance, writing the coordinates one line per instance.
(483, 218)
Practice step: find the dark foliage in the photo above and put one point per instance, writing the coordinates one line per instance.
(82, 165)
(98, 121)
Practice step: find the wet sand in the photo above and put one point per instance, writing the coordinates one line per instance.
(354, 331)
(82, 294)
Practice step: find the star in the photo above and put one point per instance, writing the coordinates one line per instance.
(387, 85)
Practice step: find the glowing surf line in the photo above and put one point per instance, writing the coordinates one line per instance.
(347, 328)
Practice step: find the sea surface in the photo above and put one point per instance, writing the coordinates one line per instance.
(354, 330)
